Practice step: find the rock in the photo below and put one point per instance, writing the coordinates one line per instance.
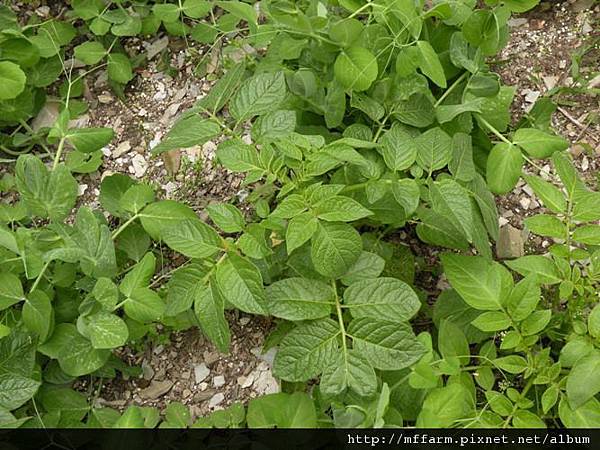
(525, 202)
(105, 98)
(502, 221)
(202, 396)
(201, 372)
(219, 381)
(139, 165)
(47, 115)
(156, 389)
(203, 386)
(186, 393)
(156, 47)
(244, 321)
(81, 189)
(172, 161)
(210, 357)
(510, 243)
(517, 22)
(147, 370)
(594, 82)
(246, 382)
(585, 164)
(265, 383)
(531, 96)
(158, 349)
(550, 81)
(216, 399)
(121, 149)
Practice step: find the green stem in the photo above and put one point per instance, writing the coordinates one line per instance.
(39, 277)
(338, 308)
(450, 89)
(494, 131)
(359, 10)
(61, 146)
(118, 231)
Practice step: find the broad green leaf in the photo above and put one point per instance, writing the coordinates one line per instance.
(461, 165)
(499, 403)
(416, 111)
(62, 335)
(335, 104)
(538, 143)
(299, 230)
(192, 238)
(335, 247)
(451, 200)
(196, 9)
(166, 12)
(241, 284)
(299, 299)
(181, 288)
(188, 132)
(536, 322)
(544, 268)
(11, 290)
(139, 276)
(546, 225)
(94, 240)
(12, 80)
(307, 350)
(345, 31)
(435, 229)
(158, 217)
(482, 284)
(524, 297)
(512, 364)
(136, 197)
(504, 166)
(446, 405)
(282, 410)
(223, 89)
(119, 68)
(77, 357)
(238, 157)
(386, 345)
(340, 209)
(387, 298)
(227, 217)
(587, 234)
(112, 189)
(492, 321)
(106, 330)
(38, 315)
(583, 382)
(407, 193)
(209, 307)
(258, 95)
(496, 110)
(549, 194)
(586, 416)
(349, 370)
(88, 140)
(355, 68)
(586, 205)
(15, 390)
(367, 267)
(398, 150)
(430, 65)
(520, 6)
(106, 293)
(434, 149)
(447, 113)
(594, 322)
(452, 342)
(144, 305)
(91, 52)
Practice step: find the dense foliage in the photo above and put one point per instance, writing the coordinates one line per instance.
(365, 118)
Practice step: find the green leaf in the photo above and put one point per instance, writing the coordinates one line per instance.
(223, 89)
(399, 150)
(38, 315)
(335, 248)
(417, 111)
(11, 290)
(444, 406)
(139, 276)
(227, 217)
(88, 140)
(461, 165)
(434, 229)
(482, 284)
(549, 398)
(258, 95)
(583, 382)
(106, 330)
(586, 205)
(382, 297)
(106, 293)
(282, 410)
(144, 305)
(340, 209)
(550, 195)
(587, 234)
(241, 284)
(447, 113)
(430, 65)
(367, 267)
(91, 52)
(307, 350)
(192, 238)
(452, 342)
(45, 194)
(536, 322)
(386, 345)
(499, 403)
(451, 200)
(335, 104)
(119, 68)
(349, 370)
(434, 149)
(166, 12)
(345, 31)
(112, 189)
(209, 307)
(12, 80)
(492, 321)
(594, 322)
(504, 166)
(196, 9)
(93, 239)
(524, 297)
(77, 357)
(158, 217)
(299, 230)
(299, 299)
(512, 364)
(188, 132)
(15, 390)
(355, 68)
(586, 416)
(538, 143)
(181, 288)
(546, 225)
(544, 268)
(238, 157)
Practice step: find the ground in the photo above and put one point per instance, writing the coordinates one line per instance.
(537, 60)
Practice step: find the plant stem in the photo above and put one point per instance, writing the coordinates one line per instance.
(450, 89)
(494, 131)
(125, 225)
(61, 146)
(338, 308)
(359, 10)
(39, 277)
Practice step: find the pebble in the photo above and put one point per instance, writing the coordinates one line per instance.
(244, 321)
(203, 386)
(105, 98)
(121, 149)
(216, 399)
(219, 381)
(139, 166)
(510, 243)
(156, 389)
(147, 370)
(525, 202)
(81, 189)
(246, 382)
(265, 383)
(201, 372)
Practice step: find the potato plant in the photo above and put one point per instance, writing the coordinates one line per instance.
(364, 119)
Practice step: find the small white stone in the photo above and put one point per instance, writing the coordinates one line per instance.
(502, 221)
(121, 149)
(140, 165)
(585, 163)
(216, 399)
(525, 202)
(244, 321)
(201, 372)
(219, 381)
(81, 189)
